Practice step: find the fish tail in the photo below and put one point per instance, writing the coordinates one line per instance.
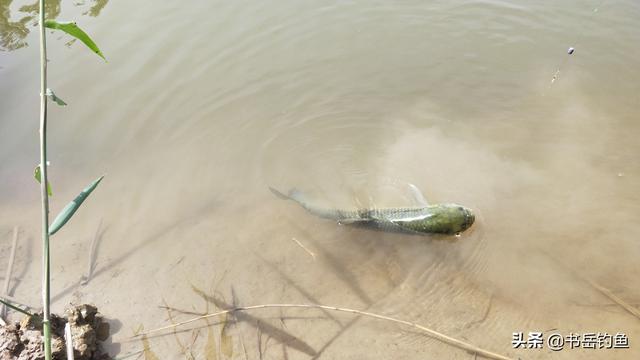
(297, 196)
(279, 194)
(294, 194)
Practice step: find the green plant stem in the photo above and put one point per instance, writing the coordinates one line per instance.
(14, 307)
(46, 281)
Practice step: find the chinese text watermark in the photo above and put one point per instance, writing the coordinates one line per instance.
(556, 341)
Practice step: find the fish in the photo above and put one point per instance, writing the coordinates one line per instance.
(423, 219)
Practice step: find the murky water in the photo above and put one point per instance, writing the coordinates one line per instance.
(204, 105)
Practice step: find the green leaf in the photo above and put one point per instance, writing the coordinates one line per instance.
(55, 99)
(38, 176)
(71, 208)
(72, 29)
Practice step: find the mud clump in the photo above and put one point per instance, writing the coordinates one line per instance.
(23, 341)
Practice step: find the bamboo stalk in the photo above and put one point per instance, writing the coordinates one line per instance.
(46, 280)
(7, 279)
(436, 335)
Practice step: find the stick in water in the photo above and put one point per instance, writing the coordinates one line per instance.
(304, 248)
(603, 290)
(7, 279)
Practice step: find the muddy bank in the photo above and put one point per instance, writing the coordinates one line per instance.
(23, 340)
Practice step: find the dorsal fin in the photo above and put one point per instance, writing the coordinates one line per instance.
(417, 195)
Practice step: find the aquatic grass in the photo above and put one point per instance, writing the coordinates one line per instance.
(148, 353)
(432, 333)
(184, 349)
(45, 189)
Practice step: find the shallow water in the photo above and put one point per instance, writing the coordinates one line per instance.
(200, 108)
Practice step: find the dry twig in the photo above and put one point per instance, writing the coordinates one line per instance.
(606, 292)
(603, 290)
(304, 248)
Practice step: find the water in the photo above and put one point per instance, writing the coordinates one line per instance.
(202, 106)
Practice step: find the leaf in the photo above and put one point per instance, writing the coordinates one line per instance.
(71, 208)
(55, 99)
(38, 176)
(72, 29)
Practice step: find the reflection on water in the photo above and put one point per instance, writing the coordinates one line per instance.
(349, 102)
(96, 8)
(12, 33)
(15, 27)
(51, 9)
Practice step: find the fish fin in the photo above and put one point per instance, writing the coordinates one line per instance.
(279, 194)
(417, 195)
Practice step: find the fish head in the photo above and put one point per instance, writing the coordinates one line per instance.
(447, 219)
(460, 218)
(451, 218)
(468, 218)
